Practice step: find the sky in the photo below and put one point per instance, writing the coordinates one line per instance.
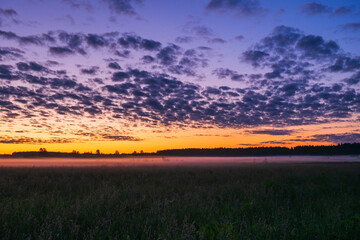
(132, 75)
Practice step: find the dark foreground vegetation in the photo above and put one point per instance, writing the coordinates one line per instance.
(340, 149)
(259, 201)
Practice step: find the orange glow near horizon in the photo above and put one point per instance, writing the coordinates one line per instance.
(189, 138)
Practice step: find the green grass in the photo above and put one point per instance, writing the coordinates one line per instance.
(261, 201)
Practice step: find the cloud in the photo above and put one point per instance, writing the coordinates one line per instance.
(6, 72)
(136, 42)
(239, 37)
(289, 46)
(122, 6)
(202, 31)
(185, 39)
(353, 27)
(60, 51)
(354, 79)
(96, 41)
(7, 16)
(79, 4)
(30, 140)
(10, 53)
(31, 66)
(217, 40)
(148, 59)
(168, 55)
(90, 71)
(114, 65)
(9, 12)
(275, 132)
(120, 138)
(337, 138)
(227, 73)
(292, 91)
(120, 76)
(342, 11)
(242, 7)
(313, 8)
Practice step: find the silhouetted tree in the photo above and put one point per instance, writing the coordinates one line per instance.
(98, 151)
(43, 150)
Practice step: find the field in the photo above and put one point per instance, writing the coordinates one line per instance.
(248, 201)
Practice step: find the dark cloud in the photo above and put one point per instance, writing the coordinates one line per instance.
(330, 138)
(290, 45)
(341, 11)
(181, 63)
(185, 39)
(217, 40)
(122, 6)
(6, 72)
(168, 55)
(202, 31)
(161, 99)
(354, 79)
(337, 138)
(8, 35)
(79, 4)
(10, 53)
(56, 83)
(275, 132)
(60, 51)
(123, 54)
(73, 41)
(136, 42)
(96, 41)
(239, 37)
(30, 140)
(9, 12)
(120, 76)
(255, 57)
(120, 138)
(227, 73)
(354, 27)
(243, 7)
(90, 71)
(7, 16)
(114, 65)
(315, 8)
(148, 59)
(315, 46)
(345, 64)
(291, 92)
(223, 72)
(35, 40)
(33, 66)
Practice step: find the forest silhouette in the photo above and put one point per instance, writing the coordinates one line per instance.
(340, 149)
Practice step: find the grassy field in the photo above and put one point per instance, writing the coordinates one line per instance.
(249, 201)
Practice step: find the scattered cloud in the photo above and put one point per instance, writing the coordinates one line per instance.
(275, 132)
(314, 8)
(353, 27)
(291, 91)
(239, 37)
(240, 7)
(122, 7)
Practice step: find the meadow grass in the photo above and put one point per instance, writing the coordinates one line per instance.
(249, 201)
